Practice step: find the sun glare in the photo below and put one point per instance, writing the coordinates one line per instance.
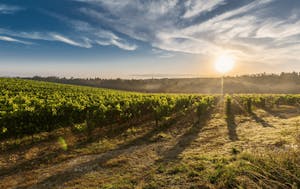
(224, 63)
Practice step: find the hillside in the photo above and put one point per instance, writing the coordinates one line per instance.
(183, 141)
(284, 83)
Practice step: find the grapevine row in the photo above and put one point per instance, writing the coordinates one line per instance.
(29, 107)
(248, 101)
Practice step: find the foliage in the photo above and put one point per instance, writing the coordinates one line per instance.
(29, 107)
(266, 101)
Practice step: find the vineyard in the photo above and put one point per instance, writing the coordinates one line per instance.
(29, 108)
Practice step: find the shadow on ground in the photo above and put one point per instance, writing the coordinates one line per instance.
(231, 126)
(284, 111)
(260, 120)
(184, 140)
(51, 154)
(78, 170)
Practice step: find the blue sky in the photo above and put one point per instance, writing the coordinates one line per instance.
(132, 38)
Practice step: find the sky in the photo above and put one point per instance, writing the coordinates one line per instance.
(147, 38)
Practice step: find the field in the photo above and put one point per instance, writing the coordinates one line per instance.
(64, 136)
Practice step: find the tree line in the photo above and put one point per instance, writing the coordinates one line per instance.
(252, 83)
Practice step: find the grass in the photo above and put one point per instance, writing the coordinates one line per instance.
(246, 170)
(233, 151)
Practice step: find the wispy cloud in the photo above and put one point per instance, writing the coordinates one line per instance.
(87, 40)
(215, 34)
(10, 39)
(162, 53)
(99, 36)
(9, 9)
(196, 7)
(81, 34)
(137, 19)
(71, 42)
(45, 36)
(250, 31)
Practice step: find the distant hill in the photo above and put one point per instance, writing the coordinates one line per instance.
(256, 83)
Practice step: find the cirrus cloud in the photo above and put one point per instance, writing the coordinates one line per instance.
(10, 39)
(250, 31)
(9, 9)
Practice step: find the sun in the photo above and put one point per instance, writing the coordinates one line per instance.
(224, 63)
